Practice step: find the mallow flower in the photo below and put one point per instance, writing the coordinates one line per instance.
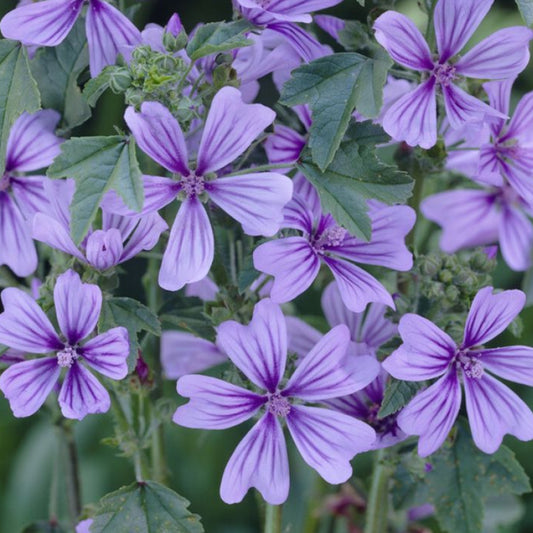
(25, 327)
(505, 53)
(31, 145)
(255, 199)
(47, 23)
(326, 439)
(428, 352)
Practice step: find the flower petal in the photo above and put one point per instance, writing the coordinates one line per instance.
(24, 326)
(403, 41)
(107, 31)
(490, 314)
(159, 134)
(426, 351)
(462, 107)
(41, 23)
(521, 124)
(259, 349)
(82, 394)
(468, 218)
(183, 353)
(413, 117)
(328, 440)
(493, 411)
(27, 385)
(50, 231)
(516, 239)
(292, 262)
(17, 250)
(77, 306)
(214, 404)
(330, 24)
(260, 461)
(297, 215)
(337, 313)
(190, 247)
(301, 336)
(499, 93)
(107, 353)
(357, 287)
(145, 236)
(306, 46)
(230, 128)
(104, 248)
(504, 54)
(30, 195)
(324, 373)
(284, 146)
(455, 22)
(431, 413)
(237, 195)
(517, 169)
(514, 363)
(32, 144)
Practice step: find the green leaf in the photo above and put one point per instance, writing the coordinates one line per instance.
(334, 86)
(18, 90)
(98, 164)
(397, 395)
(56, 70)
(354, 176)
(463, 477)
(132, 315)
(95, 87)
(144, 507)
(526, 10)
(217, 37)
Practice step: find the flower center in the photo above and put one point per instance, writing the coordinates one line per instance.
(444, 74)
(278, 405)
(5, 183)
(193, 185)
(470, 365)
(67, 356)
(332, 236)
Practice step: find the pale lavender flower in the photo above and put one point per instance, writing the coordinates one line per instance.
(25, 327)
(230, 128)
(493, 409)
(331, 25)
(368, 331)
(281, 17)
(47, 23)
(120, 239)
(475, 217)
(502, 55)
(31, 145)
(326, 439)
(294, 261)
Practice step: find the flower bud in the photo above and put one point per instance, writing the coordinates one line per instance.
(120, 80)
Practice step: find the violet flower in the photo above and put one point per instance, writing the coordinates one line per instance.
(493, 409)
(120, 239)
(368, 331)
(504, 54)
(47, 23)
(295, 261)
(25, 327)
(230, 128)
(31, 145)
(475, 217)
(326, 439)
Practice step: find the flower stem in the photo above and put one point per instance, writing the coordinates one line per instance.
(272, 518)
(377, 506)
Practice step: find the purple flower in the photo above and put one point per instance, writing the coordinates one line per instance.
(47, 23)
(295, 261)
(25, 327)
(120, 238)
(230, 128)
(504, 54)
(368, 331)
(326, 439)
(493, 409)
(474, 217)
(31, 145)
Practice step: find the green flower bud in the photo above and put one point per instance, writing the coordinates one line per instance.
(120, 80)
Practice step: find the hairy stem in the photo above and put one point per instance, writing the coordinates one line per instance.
(272, 518)
(378, 499)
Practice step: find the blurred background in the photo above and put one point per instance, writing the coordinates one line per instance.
(196, 459)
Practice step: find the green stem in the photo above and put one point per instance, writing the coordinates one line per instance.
(377, 506)
(415, 200)
(258, 168)
(272, 518)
